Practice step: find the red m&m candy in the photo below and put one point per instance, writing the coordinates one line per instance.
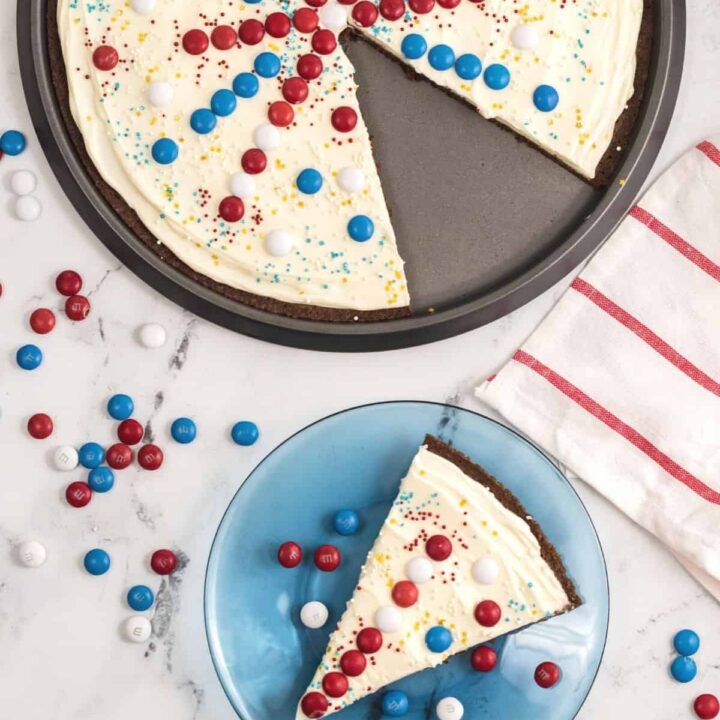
(231, 209)
(421, 7)
(305, 20)
(483, 658)
(150, 457)
(195, 42)
(344, 119)
(335, 684)
(314, 705)
(392, 9)
(68, 283)
(316, 3)
(253, 161)
(448, 4)
(369, 640)
(40, 426)
(324, 41)
(295, 90)
(309, 66)
(252, 31)
(77, 307)
(78, 494)
(438, 547)
(163, 562)
(223, 37)
(547, 674)
(130, 432)
(405, 593)
(488, 613)
(277, 24)
(290, 554)
(280, 113)
(118, 456)
(327, 558)
(365, 13)
(42, 321)
(706, 706)
(353, 663)
(105, 58)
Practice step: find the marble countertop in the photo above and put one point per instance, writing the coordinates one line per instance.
(61, 653)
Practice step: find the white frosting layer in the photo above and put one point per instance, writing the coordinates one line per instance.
(480, 528)
(585, 49)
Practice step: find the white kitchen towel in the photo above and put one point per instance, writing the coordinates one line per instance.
(621, 382)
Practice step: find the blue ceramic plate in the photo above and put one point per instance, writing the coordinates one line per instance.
(265, 657)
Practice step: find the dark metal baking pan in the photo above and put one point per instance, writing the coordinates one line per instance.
(484, 221)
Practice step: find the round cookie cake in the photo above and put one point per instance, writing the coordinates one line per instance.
(231, 132)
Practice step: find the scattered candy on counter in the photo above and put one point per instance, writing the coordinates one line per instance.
(706, 706)
(686, 642)
(152, 335)
(65, 458)
(327, 558)
(32, 554)
(96, 561)
(91, 455)
(449, 708)
(68, 283)
(42, 321)
(163, 561)
(101, 479)
(27, 208)
(120, 407)
(119, 456)
(245, 432)
(183, 430)
(40, 426)
(346, 522)
(547, 674)
(29, 357)
(150, 457)
(78, 494)
(394, 703)
(137, 628)
(313, 614)
(23, 182)
(12, 142)
(140, 598)
(130, 432)
(77, 307)
(683, 669)
(290, 554)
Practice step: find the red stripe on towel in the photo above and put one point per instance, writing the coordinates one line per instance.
(712, 151)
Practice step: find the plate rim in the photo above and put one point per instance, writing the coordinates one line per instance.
(647, 137)
(444, 405)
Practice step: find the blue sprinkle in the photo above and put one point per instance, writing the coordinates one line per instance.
(468, 66)
(245, 85)
(413, 46)
(165, 151)
(203, 121)
(546, 98)
(497, 77)
(223, 102)
(309, 181)
(267, 65)
(441, 57)
(360, 228)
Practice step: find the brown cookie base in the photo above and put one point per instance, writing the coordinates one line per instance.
(604, 176)
(504, 496)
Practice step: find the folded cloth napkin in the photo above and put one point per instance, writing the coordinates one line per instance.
(621, 382)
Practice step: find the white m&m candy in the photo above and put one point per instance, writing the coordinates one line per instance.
(152, 335)
(485, 571)
(419, 570)
(333, 16)
(160, 94)
(144, 7)
(525, 37)
(32, 553)
(65, 458)
(351, 179)
(267, 137)
(27, 208)
(23, 182)
(449, 708)
(279, 243)
(388, 619)
(243, 185)
(313, 614)
(137, 628)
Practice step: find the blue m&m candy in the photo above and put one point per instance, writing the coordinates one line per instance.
(29, 357)
(686, 642)
(91, 455)
(165, 151)
(245, 432)
(120, 407)
(497, 77)
(346, 522)
(183, 430)
(546, 98)
(140, 598)
(413, 46)
(245, 85)
(683, 669)
(97, 561)
(394, 703)
(12, 142)
(101, 479)
(468, 66)
(267, 64)
(223, 102)
(438, 639)
(309, 181)
(203, 121)
(360, 228)
(441, 57)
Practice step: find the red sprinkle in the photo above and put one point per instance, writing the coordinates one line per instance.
(369, 640)
(290, 554)
(40, 426)
(314, 705)
(105, 58)
(77, 307)
(392, 9)
(253, 161)
(78, 494)
(68, 282)
(324, 41)
(327, 558)
(195, 42)
(365, 13)
(42, 321)
(309, 66)
(280, 113)
(483, 658)
(438, 547)
(344, 119)
(130, 432)
(231, 209)
(163, 562)
(118, 456)
(488, 613)
(251, 31)
(353, 663)
(547, 674)
(150, 457)
(305, 20)
(335, 684)
(295, 90)
(223, 37)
